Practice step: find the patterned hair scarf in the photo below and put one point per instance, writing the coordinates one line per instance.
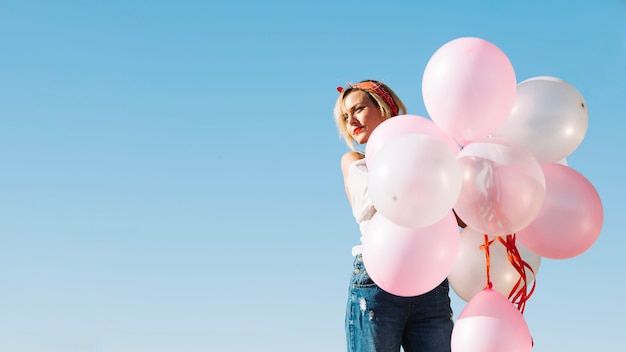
(378, 90)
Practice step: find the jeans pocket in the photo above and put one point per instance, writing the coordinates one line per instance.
(360, 277)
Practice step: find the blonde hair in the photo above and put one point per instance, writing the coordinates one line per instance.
(386, 110)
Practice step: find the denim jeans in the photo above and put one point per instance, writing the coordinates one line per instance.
(377, 321)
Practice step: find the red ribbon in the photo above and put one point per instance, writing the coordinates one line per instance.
(522, 295)
(485, 247)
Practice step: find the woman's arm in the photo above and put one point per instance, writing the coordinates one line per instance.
(346, 160)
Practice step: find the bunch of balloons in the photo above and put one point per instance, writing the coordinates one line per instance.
(494, 152)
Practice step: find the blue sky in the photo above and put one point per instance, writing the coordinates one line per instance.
(169, 171)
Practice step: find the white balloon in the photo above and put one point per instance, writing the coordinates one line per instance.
(469, 273)
(503, 186)
(562, 162)
(415, 180)
(549, 118)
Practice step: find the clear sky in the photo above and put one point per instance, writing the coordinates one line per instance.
(169, 170)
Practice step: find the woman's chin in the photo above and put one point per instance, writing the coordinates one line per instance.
(361, 139)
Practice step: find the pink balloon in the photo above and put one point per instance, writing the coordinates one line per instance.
(401, 125)
(469, 275)
(469, 88)
(503, 187)
(490, 323)
(570, 219)
(409, 262)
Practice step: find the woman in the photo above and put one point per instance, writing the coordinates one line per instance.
(377, 320)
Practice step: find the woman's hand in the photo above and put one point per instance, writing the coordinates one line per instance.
(458, 220)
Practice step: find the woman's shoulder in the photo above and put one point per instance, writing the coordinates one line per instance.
(349, 158)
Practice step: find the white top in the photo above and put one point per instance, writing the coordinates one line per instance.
(362, 207)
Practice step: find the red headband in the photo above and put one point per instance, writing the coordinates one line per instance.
(378, 90)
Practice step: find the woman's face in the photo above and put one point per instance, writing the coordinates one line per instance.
(362, 116)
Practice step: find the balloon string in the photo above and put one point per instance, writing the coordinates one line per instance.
(485, 247)
(519, 295)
